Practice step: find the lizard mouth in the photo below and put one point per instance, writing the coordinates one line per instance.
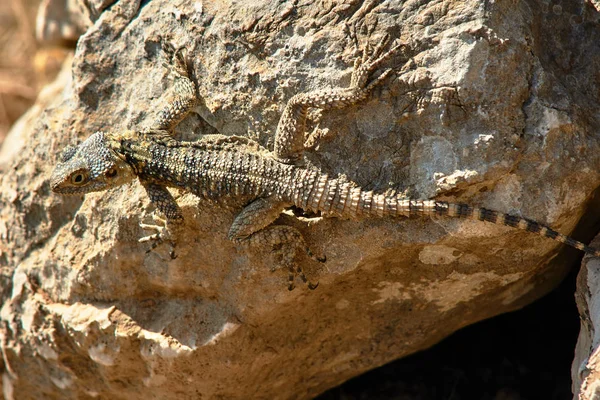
(64, 186)
(68, 190)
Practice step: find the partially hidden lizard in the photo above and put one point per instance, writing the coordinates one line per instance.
(266, 182)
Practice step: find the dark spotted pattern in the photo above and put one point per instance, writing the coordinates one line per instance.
(265, 183)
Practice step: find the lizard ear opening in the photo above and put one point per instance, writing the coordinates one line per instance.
(111, 173)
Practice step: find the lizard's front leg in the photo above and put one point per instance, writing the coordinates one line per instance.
(165, 203)
(253, 227)
(290, 135)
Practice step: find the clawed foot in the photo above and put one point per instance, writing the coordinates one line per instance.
(293, 273)
(286, 259)
(284, 242)
(321, 258)
(161, 234)
(175, 58)
(367, 64)
(300, 273)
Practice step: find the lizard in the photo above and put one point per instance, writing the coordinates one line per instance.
(266, 182)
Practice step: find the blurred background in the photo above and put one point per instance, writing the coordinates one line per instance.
(27, 62)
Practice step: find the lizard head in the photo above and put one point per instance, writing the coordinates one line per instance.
(90, 167)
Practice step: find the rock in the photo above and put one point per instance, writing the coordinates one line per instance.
(493, 105)
(585, 371)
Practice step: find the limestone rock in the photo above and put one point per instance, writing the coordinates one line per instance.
(585, 371)
(493, 104)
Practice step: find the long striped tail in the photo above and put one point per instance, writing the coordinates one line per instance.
(344, 199)
(483, 214)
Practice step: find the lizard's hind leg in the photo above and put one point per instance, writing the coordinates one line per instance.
(253, 227)
(182, 99)
(290, 135)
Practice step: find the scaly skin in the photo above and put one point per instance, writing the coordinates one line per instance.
(266, 182)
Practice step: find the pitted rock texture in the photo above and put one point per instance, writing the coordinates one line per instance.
(585, 371)
(496, 109)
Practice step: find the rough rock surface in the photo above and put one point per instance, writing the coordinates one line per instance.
(585, 371)
(497, 107)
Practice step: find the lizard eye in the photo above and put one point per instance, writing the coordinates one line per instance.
(111, 173)
(78, 178)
